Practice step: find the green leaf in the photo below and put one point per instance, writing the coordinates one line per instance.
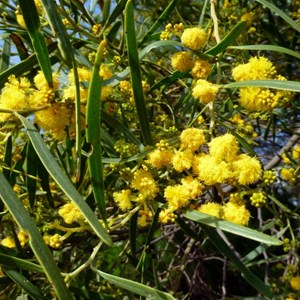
(288, 85)
(243, 231)
(280, 13)
(24, 283)
(268, 48)
(252, 279)
(228, 39)
(41, 251)
(115, 13)
(135, 72)
(4, 62)
(33, 25)
(135, 287)
(59, 31)
(11, 261)
(62, 180)
(165, 14)
(31, 169)
(93, 132)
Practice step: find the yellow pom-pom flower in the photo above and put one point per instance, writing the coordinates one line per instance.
(235, 213)
(182, 160)
(182, 61)
(201, 69)
(213, 209)
(295, 283)
(194, 38)
(256, 68)
(8, 242)
(205, 91)
(70, 213)
(123, 199)
(192, 138)
(246, 169)
(224, 148)
(177, 196)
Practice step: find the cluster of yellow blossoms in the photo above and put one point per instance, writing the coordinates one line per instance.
(56, 116)
(290, 171)
(257, 98)
(198, 171)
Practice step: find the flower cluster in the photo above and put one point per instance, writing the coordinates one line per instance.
(257, 98)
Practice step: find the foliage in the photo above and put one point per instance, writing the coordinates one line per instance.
(149, 149)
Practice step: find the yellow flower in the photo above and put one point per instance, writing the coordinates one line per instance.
(235, 213)
(105, 72)
(177, 196)
(205, 91)
(54, 241)
(166, 216)
(288, 174)
(213, 209)
(256, 68)
(8, 242)
(55, 119)
(258, 199)
(123, 199)
(246, 169)
(14, 95)
(224, 148)
(160, 158)
(192, 138)
(84, 75)
(182, 61)
(211, 171)
(261, 99)
(23, 237)
(201, 69)
(182, 160)
(194, 38)
(144, 182)
(296, 152)
(193, 186)
(70, 213)
(295, 283)
(42, 84)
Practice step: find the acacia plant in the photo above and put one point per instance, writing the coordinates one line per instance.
(149, 149)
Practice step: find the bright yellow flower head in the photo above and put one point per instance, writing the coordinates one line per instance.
(105, 72)
(160, 158)
(212, 171)
(177, 196)
(194, 38)
(8, 242)
(192, 138)
(288, 174)
(205, 91)
(182, 61)
(166, 216)
(41, 82)
(123, 199)
(236, 213)
(182, 160)
(193, 186)
(295, 283)
(224, 148)
(70, 213)
(201, 69)
(256, 68)
(246, 169)
(296, 152)
(213, 209)
(144, 182)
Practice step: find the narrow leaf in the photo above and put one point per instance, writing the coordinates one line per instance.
(93, 132)
(228, 39)
(41, 251)
(135, 72)
(280, 13)
(11, 261)
(33, 25)
(268, 48)
(165, 14)
(243, 231)
(62, 180)
(288, 85)
(252, 279)
(4, 62)
(24, 283)
(135, 287)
